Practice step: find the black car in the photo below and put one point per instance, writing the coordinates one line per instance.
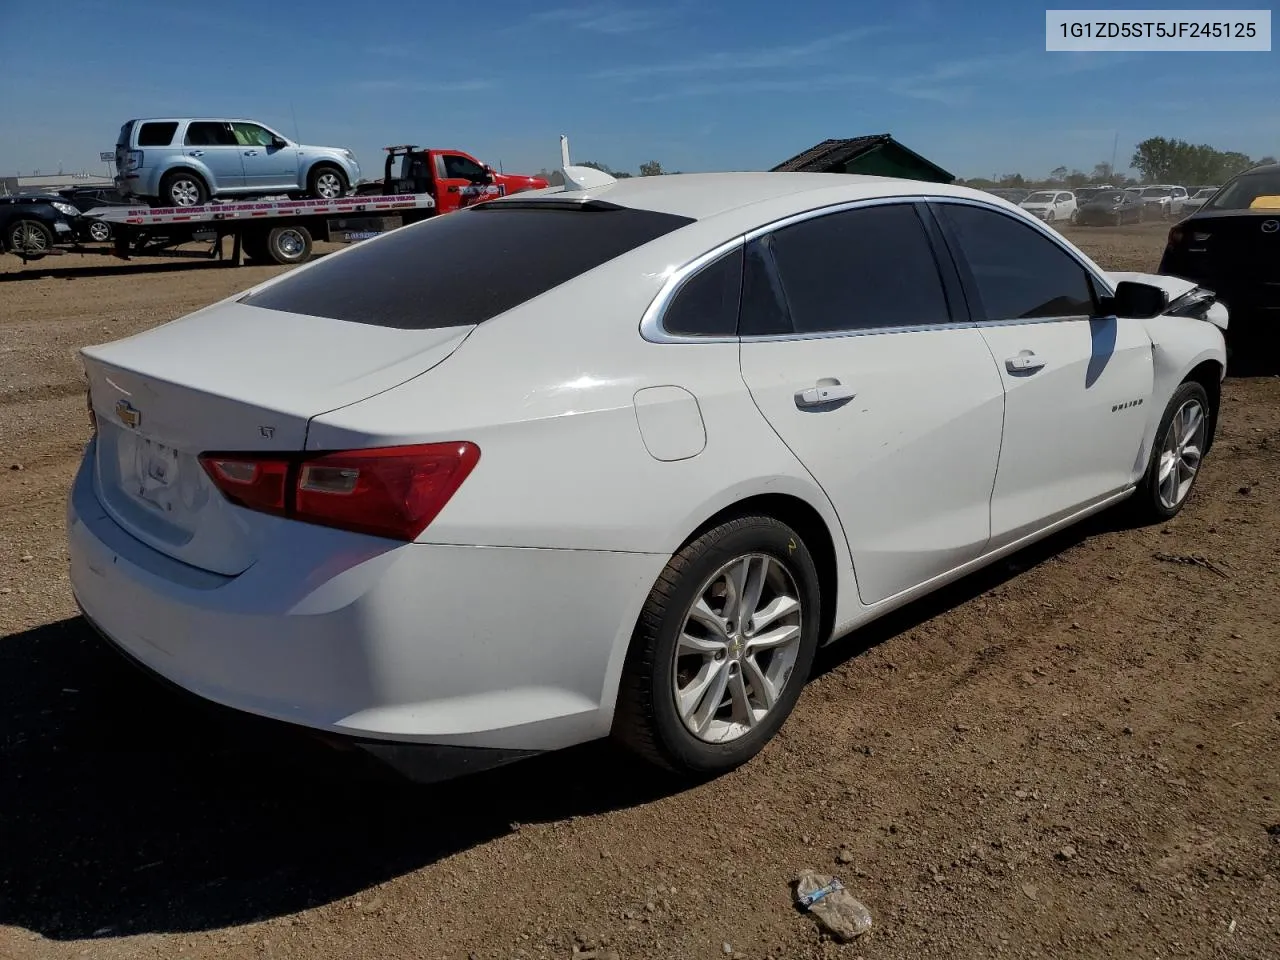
(85, 199)
(1232, 246)
(1110, 207)
(31, 226)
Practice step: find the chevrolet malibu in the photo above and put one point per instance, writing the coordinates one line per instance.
(617, 459)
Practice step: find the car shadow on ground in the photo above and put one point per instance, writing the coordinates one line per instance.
(126, 808)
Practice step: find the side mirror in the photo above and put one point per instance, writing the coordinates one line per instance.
(1141, 301)
(279, 142)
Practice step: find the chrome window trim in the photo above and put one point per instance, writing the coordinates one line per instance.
(651, 328)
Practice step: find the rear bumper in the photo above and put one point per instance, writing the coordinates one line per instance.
(478, 647)
(421, 762)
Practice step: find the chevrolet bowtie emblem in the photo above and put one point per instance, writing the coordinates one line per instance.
(129, 415)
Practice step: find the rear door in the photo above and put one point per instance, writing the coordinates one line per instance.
(213, 143)
(1076, 384)
(850, 351)
(266, 167)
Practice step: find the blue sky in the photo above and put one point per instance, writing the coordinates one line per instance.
(695, 84)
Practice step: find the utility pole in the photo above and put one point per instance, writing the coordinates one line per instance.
(1115, 147)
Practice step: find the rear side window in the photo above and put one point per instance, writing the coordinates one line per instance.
(207, 133)
(706, 305)
(156, 134)
(859, 269)
(465, 267)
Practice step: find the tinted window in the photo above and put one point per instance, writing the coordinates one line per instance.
(156, 134)
(466, 267)
(763, 311)
(706, 305)
(1019, 273)
(456, 167)
(209, 133)
(859, 269)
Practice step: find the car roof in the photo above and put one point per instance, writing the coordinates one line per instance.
(700, 196)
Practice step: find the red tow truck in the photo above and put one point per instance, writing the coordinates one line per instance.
(452, 178)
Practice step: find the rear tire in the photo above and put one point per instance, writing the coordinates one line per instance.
(288, 245)
(1183, 437)
(99, 232)
(29, 239)
(253, 245)
(740, 704)
(182, 188)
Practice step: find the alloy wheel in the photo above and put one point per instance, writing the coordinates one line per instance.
(329, 185)
(184, 193)
(1180, 453)
(30, 239)
(737, 648)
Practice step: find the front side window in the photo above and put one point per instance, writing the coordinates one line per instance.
(462, 168)
(861, 269)
(1017, 272)
(251, 135)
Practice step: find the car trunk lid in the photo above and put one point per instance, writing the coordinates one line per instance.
(230, 378)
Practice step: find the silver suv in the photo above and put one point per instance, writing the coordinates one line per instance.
(184, 163)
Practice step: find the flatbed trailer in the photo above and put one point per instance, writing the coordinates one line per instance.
(279, 231)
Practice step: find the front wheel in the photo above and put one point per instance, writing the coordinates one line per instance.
(1177, 454)
(326, 183)
(722, 648)
(1049, 217)
(99, 232)
(29, 239)
(1075, 216)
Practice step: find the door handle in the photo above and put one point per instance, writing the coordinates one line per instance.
(251, 153)
(195, 153)
(823, 394)
(1025, 362)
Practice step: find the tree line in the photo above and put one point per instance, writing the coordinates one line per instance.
(651, 168)
(1156, 160)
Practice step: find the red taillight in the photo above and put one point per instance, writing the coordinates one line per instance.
(386, 491)
(258, 484)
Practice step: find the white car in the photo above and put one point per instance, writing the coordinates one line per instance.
(1052, 205)
(1162, 200)
(1194, 202)
(618, 458)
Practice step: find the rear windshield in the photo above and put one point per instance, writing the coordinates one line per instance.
(1253, 191)
(466, 267)
(157, 134)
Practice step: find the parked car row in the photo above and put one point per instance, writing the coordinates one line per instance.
(1099, 204)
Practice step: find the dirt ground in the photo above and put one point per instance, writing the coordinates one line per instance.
(1074, 754)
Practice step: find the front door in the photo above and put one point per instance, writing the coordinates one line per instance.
(266, 167)
(1077, 385)
(850, 352)
(459, 181)
(212, 143)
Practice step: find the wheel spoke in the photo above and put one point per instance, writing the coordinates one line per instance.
(761, 685)
(778, 637)
(705, 704)
(752, 587)
(689, 644)
(1191, 424)
(776, 609)
(704, 615)
(736, 582)
(743, 712)
(1191, 456)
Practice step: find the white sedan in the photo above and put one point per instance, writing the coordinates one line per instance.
(1052, 206)
(617, 459)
